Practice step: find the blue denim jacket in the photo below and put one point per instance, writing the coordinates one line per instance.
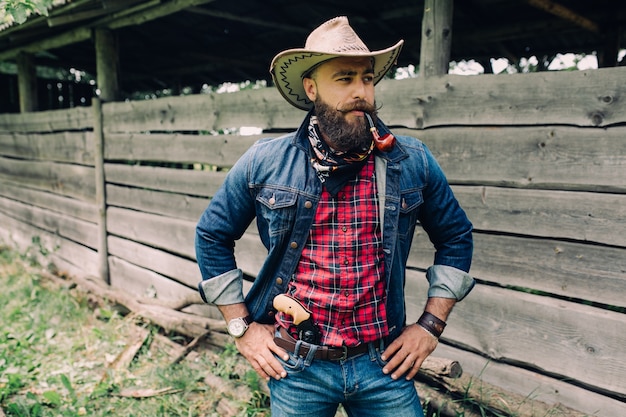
(275, 182)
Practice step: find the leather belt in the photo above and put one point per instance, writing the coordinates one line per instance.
(327, 353)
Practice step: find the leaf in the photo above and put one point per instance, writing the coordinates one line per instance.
(67, 384)
(52, 397)
(19, 13)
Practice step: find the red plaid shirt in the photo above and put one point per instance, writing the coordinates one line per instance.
(340, 276)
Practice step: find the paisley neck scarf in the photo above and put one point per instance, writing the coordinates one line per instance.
(334, 168)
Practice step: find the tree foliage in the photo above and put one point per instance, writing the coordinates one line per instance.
(20, 10)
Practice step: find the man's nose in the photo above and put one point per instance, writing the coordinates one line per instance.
(359, 90)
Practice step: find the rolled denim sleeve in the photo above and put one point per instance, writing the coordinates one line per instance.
(223, 289)
(448, 282)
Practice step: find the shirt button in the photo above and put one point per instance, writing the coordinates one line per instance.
(279, 280)
(308, 205)
(344, 228)
(346, 262)
(293, 245)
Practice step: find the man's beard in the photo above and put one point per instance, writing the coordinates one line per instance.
(341, 134)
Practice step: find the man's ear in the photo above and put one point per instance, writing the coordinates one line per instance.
(310, 88)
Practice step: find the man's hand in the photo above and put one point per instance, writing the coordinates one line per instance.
(258, 347)
(408, 351)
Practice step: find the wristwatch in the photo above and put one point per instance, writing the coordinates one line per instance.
(238, 326)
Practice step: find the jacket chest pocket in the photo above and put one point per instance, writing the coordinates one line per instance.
(410, 203)
(277, 208)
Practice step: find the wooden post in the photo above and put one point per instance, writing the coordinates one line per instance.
(103, 247)
(107, 59)
(436, 37)
(27, 82)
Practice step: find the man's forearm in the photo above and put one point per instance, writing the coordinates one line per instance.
(440, 307)
(231, 311)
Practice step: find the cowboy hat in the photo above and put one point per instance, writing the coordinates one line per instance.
(333, 39)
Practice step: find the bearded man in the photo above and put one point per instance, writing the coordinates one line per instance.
(336, 205)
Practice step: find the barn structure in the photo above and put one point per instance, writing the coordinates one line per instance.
(111, 185)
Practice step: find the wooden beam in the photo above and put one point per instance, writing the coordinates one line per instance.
(436, 37)
(565, 13)
(134, 16)
(107, 59)
(154, 13)
(27, 82)
(53, 42)
(103, 247)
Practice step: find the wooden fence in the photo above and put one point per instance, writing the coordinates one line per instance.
(537, 160)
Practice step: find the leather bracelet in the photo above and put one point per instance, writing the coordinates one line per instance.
(431, 324)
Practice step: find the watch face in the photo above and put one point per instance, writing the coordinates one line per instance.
(236, 327)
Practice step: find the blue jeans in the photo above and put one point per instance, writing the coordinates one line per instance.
(315, 388)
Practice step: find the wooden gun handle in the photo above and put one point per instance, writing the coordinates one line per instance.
(293, 307)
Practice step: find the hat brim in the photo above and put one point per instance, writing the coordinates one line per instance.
(289, 67)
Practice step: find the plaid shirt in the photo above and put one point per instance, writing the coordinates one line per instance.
(340, 275)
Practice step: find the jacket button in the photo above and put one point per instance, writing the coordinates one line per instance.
(272, 201)
(293, 245)
(279, 280)
(308, 204)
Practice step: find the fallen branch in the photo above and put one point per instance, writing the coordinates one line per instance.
(441, 367)
(189, 347)
(471, 391)
(146, 392)
(170, 320)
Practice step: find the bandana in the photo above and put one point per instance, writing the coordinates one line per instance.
(334, 168)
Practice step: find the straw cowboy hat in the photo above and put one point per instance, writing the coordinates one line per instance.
(332, 39)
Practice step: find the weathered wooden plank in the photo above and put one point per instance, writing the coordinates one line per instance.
(587, 272)
(552, 157)
(66, 179)
(263, 108)
(141, 282)
(72, 207)
(191, 182)
(541, 98)
(173, 235)
(587, 217)
(532, 385)
(179, 206)
(76, 118)
(54, 222)
(68, 146)
(177, 268)
(51, 250)
(542, 333)
(219, 150)
(516, 99)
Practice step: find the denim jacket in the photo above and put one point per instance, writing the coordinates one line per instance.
(275, 182)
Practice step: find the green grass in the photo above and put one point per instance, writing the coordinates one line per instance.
(58, 349)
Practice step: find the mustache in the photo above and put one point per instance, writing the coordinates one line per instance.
(360, 105)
